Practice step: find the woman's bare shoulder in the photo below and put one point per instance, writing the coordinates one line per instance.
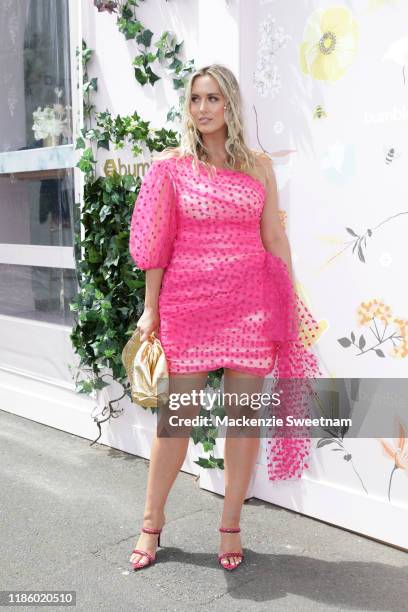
(262, 166)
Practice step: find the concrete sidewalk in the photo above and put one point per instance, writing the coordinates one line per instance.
(71, 515)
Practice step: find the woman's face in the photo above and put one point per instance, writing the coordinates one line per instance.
(207, 104)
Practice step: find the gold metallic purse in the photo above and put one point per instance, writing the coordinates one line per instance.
(146, 368)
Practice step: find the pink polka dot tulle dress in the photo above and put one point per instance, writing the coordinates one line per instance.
(224, 300)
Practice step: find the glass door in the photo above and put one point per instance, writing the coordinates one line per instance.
(37, 186)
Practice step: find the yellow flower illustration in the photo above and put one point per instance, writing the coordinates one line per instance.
(329, 43)
(373, 308)
(402, 349)
(403, 327)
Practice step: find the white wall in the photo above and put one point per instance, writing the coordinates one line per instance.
(332, 173)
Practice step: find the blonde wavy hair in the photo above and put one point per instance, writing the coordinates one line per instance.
(239, 156)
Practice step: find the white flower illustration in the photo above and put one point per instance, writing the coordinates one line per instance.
(267, 78)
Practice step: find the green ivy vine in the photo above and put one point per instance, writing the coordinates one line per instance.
(167, 51)
(111, 287)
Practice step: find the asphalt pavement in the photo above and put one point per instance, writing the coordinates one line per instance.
(71, 513)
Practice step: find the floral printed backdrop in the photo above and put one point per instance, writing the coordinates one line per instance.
(326, 94)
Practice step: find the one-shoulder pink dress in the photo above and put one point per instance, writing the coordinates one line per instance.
(225, 301)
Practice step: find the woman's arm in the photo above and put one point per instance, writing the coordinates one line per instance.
(152, 233)
(273, 234)
(153, 283)
(150, 319)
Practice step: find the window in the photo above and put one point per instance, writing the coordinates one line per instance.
(35, 105)
(37, 208)
(37, 267)
(38, 186)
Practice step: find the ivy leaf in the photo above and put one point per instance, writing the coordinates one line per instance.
(150, 57)
(145, 38)
(352, 336)
(152, 76)
(208, 446)
(218, 411)
(379, 353)
(100, 384)
(94, 256)
(352, 232)
(347, 457)
(345, 342)
(103, 143)
(138, 60)
(85, 386)
(212, 433)
(203, 462)
(127, 26)
(176, 63)
(361, 342)
(134, 284)
(173, 114)
(104, 212)
(197, 434)
(140, 76)
(91, 85)
(213, 462)
(178, 83)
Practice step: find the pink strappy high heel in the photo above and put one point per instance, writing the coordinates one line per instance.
(230, 566)
(138, 564)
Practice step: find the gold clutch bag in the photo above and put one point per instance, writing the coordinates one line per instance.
(146, 368)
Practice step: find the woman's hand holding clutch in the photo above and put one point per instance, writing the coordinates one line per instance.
(148, 323)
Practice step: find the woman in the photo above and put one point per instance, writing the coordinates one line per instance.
(206, 229)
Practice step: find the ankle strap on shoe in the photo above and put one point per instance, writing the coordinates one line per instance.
(150, 530)
(230, 529)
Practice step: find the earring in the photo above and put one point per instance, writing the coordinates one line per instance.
(225, 107)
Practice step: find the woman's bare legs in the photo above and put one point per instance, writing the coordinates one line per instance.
(240, 454)
(167, 457)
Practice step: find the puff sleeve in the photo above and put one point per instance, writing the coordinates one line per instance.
(154, 219)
